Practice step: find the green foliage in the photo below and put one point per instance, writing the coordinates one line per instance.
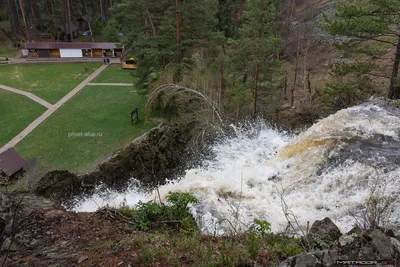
(359, 68)
(254, 61)
(260, 228)
(111, 31)
(151, 215)
(362, 23)
(286, 245)
(155, 43)
(260, 237)
(341, 95)
(179, 203)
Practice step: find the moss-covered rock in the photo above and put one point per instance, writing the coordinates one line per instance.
(323, 233)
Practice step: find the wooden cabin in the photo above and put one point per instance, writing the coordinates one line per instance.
(83, 22)
(72, 50)
(11, 163)
(64, 30)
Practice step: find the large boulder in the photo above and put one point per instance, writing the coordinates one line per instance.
(323, 233)
(326, 258)
(58, 185)
(366, 245)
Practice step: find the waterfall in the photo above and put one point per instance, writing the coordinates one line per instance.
(329, 170)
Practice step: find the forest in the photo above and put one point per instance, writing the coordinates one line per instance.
(244, 59)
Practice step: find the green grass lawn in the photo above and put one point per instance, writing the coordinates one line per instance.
(102, 110)
(16, 113)
(48, 81)
(7, 50)
(115, 74)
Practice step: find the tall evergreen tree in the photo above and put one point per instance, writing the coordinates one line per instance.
(255, 52)
(363, 23)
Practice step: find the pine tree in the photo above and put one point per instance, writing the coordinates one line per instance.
(368, 21)
(257, 47)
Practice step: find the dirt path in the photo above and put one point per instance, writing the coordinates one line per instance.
(27, 94)
(112, 84)
(51, 110)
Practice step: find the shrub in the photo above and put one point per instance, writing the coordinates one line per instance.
(151, 215)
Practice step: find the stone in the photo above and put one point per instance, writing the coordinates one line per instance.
(380, 243)
(308, 260)
(329, 258)
(396, 244)
(323, 233)
(357, 230)
(82, 258)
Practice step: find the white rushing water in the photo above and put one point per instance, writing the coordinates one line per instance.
(326, 171)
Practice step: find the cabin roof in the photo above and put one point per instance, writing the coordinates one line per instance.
(65, 26)
(66, 45)
(84, 18)
(11, 162)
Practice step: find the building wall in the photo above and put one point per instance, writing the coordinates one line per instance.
(71, 53)
(43, 53)
(97, 52)
(54, 52)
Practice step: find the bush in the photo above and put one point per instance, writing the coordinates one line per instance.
(151, 215)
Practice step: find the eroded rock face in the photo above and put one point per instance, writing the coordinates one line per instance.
(58, 184)
(15, 208)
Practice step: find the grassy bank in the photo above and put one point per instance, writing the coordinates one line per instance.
(16, 113)
(115, 74)
(172, 239)
(87, 129)
(48, 81)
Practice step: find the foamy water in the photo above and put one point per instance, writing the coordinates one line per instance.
(261, 172)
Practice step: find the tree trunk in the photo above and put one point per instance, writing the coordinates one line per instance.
(93, 7)
(53, 17)
(101, 11)
(150, 20)
(222, 81)
(69, 21)
(240, 10)
(24, 18)
(178, 30)
(33, 19)
(296, 70)
(18, 16)
(255, 92)
(395, 72)
(178, 23)
(65, 20)
(12, 10)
